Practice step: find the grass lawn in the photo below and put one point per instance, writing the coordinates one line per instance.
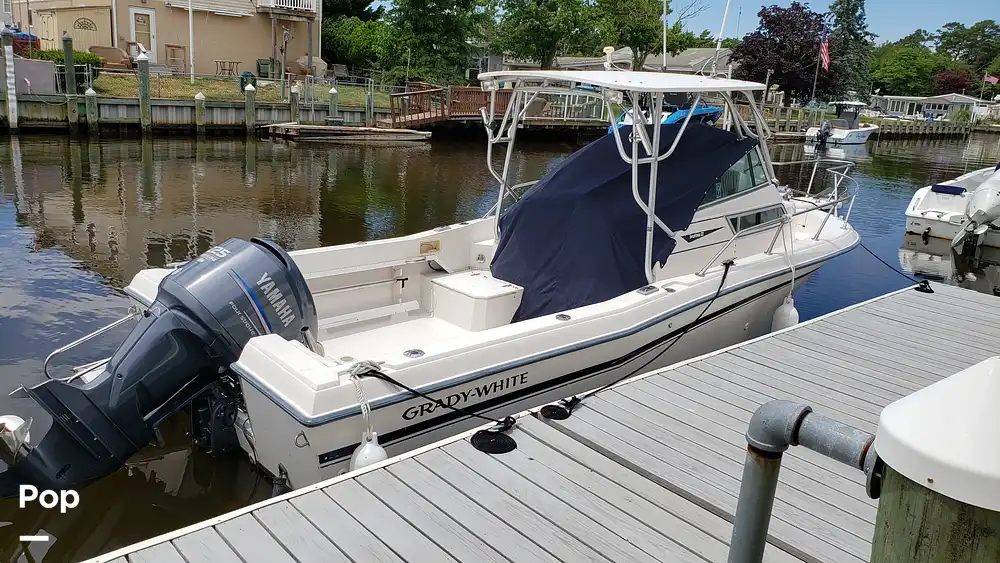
(121, 85)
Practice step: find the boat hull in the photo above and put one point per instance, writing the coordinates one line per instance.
(934, 214)
(325, 451)
(842, 136)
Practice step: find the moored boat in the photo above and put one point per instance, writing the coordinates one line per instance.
(649, 236)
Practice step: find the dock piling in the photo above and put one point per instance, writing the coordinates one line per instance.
(93, 126)
(250, 97)
(333, 104)
(69, 69)
(940, 499)
(9, 82)
(293, 99)
(199, 113)
(145, 111)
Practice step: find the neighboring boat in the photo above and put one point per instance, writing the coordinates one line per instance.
(675, 109)
(845, 130)
(944, 210)
(588, 278)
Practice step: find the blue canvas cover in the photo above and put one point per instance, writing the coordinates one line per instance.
(577, 237)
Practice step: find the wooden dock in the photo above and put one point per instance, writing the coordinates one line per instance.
(646, 471)
(345, 134)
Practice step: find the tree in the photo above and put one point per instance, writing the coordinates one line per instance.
(905, 69)
(536, 30)
(977, 46)
(787, 43)
(361, 9)
(434, 32)
(850, 42)
(954, 81)
(635, 24)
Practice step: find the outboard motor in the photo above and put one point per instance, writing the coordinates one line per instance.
(982, 210)
(205, 312)
(825, 130)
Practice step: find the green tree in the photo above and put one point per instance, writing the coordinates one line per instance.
(851, 43)
(361, 9)
(537, 30)
(435, 33)
(906, 70)
(977, 46)
(635, 24)
(787, 43)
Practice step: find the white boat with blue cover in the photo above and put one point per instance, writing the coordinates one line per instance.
(648, 237)
(949, 209)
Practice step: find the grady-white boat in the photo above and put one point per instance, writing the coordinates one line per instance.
(303, 358)
(955, 209)
(845, 130)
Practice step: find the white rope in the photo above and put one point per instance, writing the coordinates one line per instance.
(366, 410)
(789, 256)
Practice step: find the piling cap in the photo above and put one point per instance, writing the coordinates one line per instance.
(945, 436)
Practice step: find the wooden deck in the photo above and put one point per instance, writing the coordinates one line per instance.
(647, 471)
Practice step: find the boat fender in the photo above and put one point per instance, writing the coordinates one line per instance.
(786, 315)
(369, 452)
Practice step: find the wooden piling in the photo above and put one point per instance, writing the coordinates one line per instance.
(199, 113)
(69, 69)
(9, 81)
(917, 525)
(93, 126)
(293, 100)
(333, 116)
(145, 110)
(250, 110)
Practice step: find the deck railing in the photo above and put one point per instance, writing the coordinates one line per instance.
(295, 5)
(409, 109)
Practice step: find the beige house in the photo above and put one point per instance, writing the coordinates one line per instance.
(238, 32)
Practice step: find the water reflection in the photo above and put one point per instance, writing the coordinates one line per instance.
(79, 219)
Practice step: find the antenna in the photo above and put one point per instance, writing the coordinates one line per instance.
(718, 39)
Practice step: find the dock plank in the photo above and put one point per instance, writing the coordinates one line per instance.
(478, 521)
(356, 541)
(435, 524)
(408, 542)
(297, 535)
(251, 541)
(160, 553)
(205, 546)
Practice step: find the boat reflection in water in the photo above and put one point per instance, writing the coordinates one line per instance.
(162, 488)
(936, 260)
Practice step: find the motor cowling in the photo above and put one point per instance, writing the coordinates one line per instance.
(204, 313)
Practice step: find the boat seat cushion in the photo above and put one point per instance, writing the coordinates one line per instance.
(946, 189)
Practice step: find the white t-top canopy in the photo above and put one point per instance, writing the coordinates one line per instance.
(629, 80)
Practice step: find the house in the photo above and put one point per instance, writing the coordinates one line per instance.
(240, 31)
(945, 105)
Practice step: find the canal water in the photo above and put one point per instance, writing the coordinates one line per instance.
(79, 219)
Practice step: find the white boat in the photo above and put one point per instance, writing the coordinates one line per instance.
(943, 210)
(313, 360)
(845, 130)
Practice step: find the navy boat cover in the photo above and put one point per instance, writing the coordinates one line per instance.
(577, 237)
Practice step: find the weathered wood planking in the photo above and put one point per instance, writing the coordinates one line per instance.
(683, 427)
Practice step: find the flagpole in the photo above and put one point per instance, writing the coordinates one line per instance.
(982, 89)
(819, 53)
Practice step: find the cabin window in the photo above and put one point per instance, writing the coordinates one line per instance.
(756, 218)
(747, 173)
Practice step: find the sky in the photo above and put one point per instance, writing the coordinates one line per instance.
(889, 19)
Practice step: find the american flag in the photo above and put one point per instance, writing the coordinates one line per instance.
(824, 50)
(991, 79)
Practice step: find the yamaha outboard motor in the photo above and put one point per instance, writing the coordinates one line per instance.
(825, 130)
(205, 312)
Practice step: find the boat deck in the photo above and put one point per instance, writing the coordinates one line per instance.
(647, 471)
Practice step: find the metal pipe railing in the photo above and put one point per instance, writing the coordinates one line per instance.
(774, 427)
(756, 229)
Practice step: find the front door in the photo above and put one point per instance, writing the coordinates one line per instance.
(143, 30)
